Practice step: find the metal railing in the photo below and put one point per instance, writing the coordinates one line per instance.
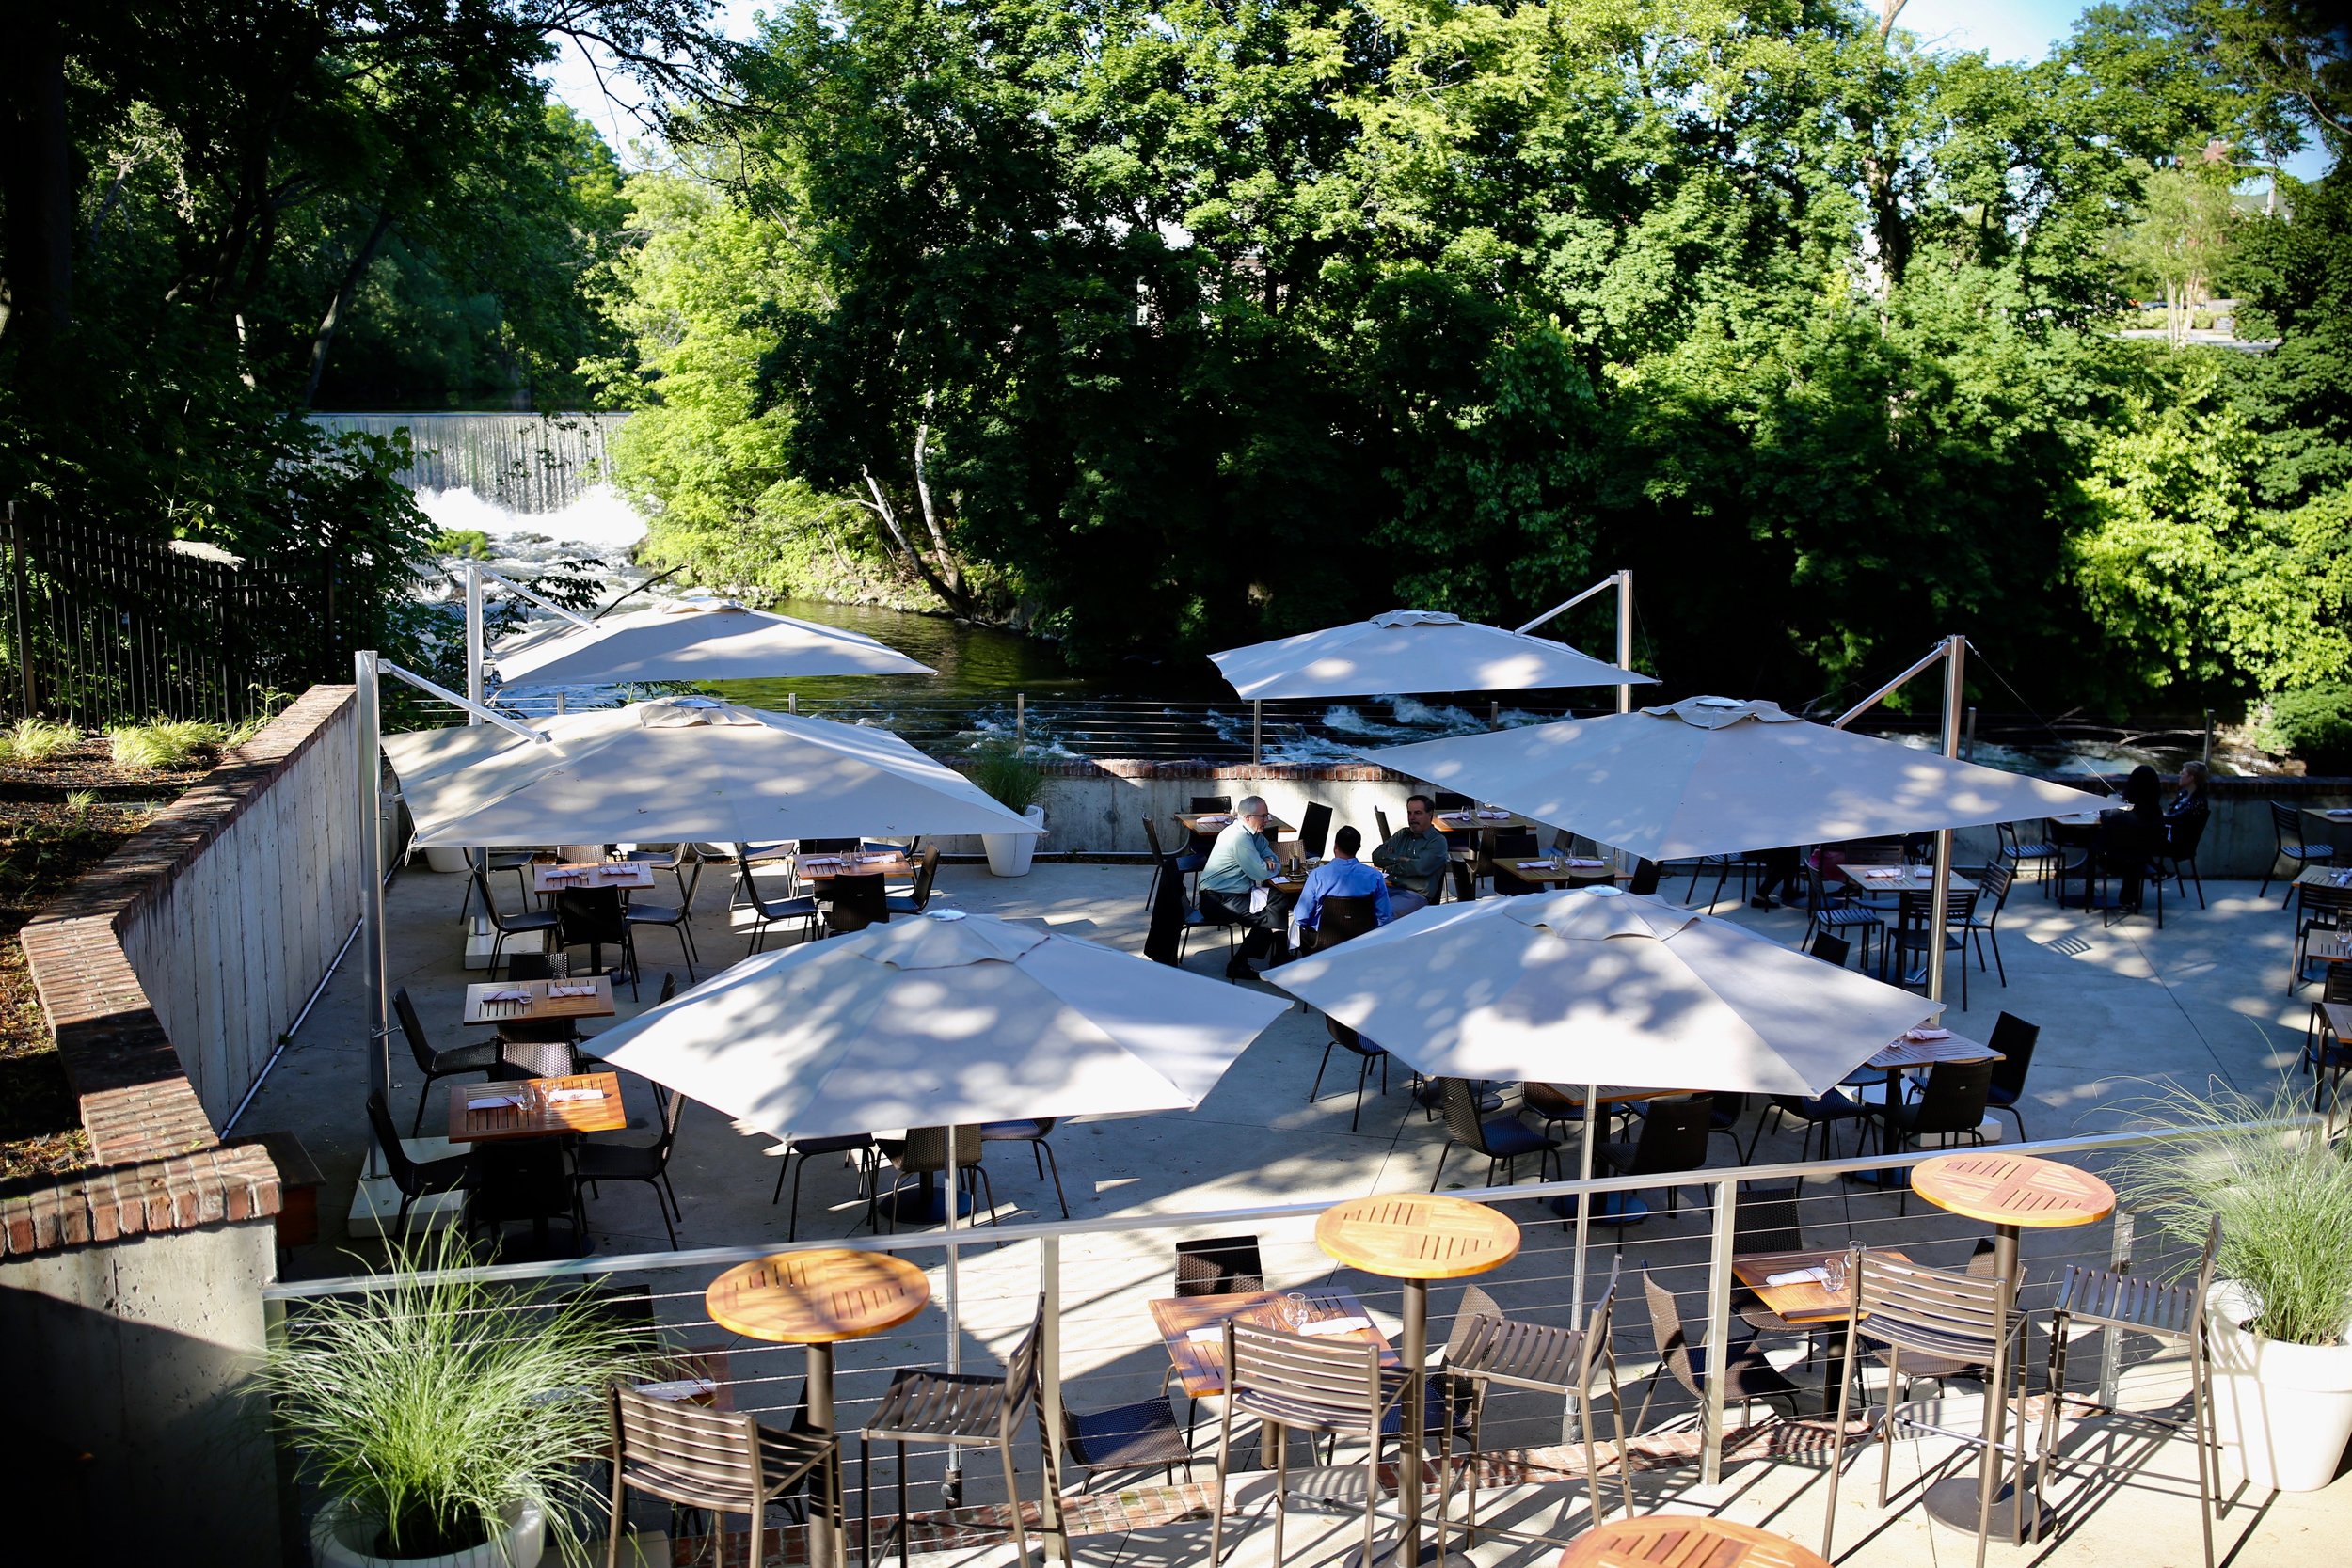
(1102, 1350)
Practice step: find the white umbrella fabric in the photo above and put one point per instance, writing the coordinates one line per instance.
(1592, 986)
(694, 639)
(1719, 775)
(1410, 650)
(687, 770)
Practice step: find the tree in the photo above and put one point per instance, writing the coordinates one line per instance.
(2180, 238)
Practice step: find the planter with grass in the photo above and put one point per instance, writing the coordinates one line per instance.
(448, 1421)
(1007, 775)
(2280, 1312)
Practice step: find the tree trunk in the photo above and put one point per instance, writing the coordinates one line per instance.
(950, 593)
(324, 339)
(36, 185)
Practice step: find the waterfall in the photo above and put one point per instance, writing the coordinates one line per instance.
(524, 464)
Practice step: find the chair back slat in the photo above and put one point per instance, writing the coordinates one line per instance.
(686, 1453)
(1940, 1311)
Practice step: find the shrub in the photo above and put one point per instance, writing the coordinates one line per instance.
(1007, 776)
(37, 741)
(2314, 723)
(163, 743)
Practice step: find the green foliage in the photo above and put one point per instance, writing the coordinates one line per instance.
(436, 1400)
(465, 544)
(1005, 774)
(2179, 240)
(2315, 724)
(165, 743)
(2283, 1195)
(37, 741)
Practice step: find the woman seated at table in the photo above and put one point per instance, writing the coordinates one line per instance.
(2128, 837)
(2190, 800)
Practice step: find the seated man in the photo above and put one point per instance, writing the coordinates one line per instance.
(1416, 857)
(1342, 877)
(1241, 862)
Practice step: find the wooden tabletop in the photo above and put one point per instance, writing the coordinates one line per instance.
(1216, 822)
(1462, 821)
(819, 1297)
(2339, 1017)
(524, 1110)
(2331, 876)
(1201, 1363)
(1684, 1541)
(2331, 813)
(1417, 1236)
(1901, 1053)
(1900, 879)
(1804, 1302)
(2078, 819)
(559, 877)
(2326, 948)
(2013, 1189)
(541, 1007)
(1614, 1094)
(1550, 872)
(818, 868)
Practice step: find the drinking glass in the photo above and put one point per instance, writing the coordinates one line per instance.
(1295, 1311)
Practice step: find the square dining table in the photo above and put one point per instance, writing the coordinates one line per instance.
(1200, 1363)
(558, 877)
(491, 1003)
(535, 1108)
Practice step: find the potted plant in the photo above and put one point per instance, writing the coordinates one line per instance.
(2280, 1313)
(1006, 774)
(450, 1422)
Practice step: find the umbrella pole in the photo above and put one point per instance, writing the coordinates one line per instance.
(1938, 901)
(1574, 1417)
(1625, 636)
(952, 1491)
(369, 778)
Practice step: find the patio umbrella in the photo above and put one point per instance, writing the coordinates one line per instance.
(1592, 986)
(689, 769)
(1410, 650)
(1718, 775)
(694, 639)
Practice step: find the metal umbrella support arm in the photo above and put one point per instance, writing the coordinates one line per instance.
(1622, 580)
(1953, 654)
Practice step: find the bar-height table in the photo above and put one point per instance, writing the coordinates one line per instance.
(1416, 1237)
(816, 1299)
(2011, 1193)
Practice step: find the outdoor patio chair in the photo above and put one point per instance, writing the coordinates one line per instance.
(436, 1065)
(1912, 934)
(414, 1179)
(2174, 1313)
(1983, 923)
(2334, 986)
(693, 1456)
(1951, 1106)
(1673, 1139)
(1487, 1349)
(1502, 1139)
(1380, 820)
(852, 902)
(1187, 862)
(1315, 830)
(538, 1048)
(2286, 827)
(1300, 1382)
(2324, 910)
(591, 917)
(1447, 799)
(918, 897)
(593, 1161)
(526, 923)
(678, 917)
(1747, 1376)
(1338, 918)
(2182, 835)
(1139, 1436)
(1219, 1266)
(2014, 1039)
(863, 1158)
(1514, 844)
(769, 912)
(495, 861)
(679, 860)
(1766, 1219)
(1367, 1055)
(1562, 1108)
(1936, 1312)
(957, 1410)
(924, 1152)
(1173, 916)
(1034, 1131)
(1829, 949)
(1836, 917)
(1645, 879)
(2016, 849)
(1819, 1111)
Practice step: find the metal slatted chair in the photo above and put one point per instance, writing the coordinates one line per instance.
(1914, 934)
(2182, 835)
(1488, 1350)
(1747, 1376)
(917, 896)
(415, 1179)
(769, 912)
(695, 1457)
(593, 1161)
(1502, 1139)
(957, 1410)
(527, 923)
(1033, 1131)
(1951, 1316)
(1297, 1382)
(2016, 849)
(678, 917)
(1837, 918)
(2118, 1300)
(2286, 826)
(1993, 882)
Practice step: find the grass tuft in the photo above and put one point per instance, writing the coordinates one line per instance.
(37, 741)
(163, 743)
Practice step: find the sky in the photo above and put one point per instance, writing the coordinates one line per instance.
(2006, 29)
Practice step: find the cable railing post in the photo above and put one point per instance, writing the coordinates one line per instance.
(1049, 1392)
(1726, 1196)
(2111, 1344)
(1021, 720)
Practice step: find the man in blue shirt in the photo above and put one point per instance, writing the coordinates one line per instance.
(1241, 862)
(1343, 877)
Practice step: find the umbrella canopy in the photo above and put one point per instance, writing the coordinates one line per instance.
(1587, 985)
(941, 1021)
(684, 769)
(1410, 650)
(1715, 775)
(692, 639)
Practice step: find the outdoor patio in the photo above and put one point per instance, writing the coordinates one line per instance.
(2116, 1005)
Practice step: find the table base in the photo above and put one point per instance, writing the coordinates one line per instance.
(917, 1206)
(1607, 1209)
(1953, 1503)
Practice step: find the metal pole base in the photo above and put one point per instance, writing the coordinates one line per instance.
(1953, 1502)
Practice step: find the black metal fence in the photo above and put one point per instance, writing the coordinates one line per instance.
(99, 627)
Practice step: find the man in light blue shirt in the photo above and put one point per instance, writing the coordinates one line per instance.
(1240, 864)
(1342, 877)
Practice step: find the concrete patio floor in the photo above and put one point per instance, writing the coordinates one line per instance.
(2118, 1005)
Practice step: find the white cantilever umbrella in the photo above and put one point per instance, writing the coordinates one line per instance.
(1410, 650)
(681, 769)
(1716, 775)
(694, 639)
(1594, 986)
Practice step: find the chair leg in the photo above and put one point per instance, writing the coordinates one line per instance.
(1316, 1087)
(1224, 1453)
(1012, 1501)
(1056, 1164)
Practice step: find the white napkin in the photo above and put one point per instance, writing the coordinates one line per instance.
(494, 1103)
(508, 996)
(682, 1388)
(571, 876)
(1213, 1335)
(556, 1096)
(1256, 900)
(1214, 821)
(1799, 1276)
(1540, 865)
(1493, 815)
(1336, 1326)
(1581, 864)
(1923, 1036)
(583, 988)
(617, 871)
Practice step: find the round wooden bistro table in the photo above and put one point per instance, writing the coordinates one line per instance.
(1684, 1541)
(2011, 1193)
(817, 1299)
(1416, 1237)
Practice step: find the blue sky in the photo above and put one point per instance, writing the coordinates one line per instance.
(2006, 29)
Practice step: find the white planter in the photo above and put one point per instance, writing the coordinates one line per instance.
(1009, 854)
(2285, 1410)
(342, 1536)
(446, 861)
